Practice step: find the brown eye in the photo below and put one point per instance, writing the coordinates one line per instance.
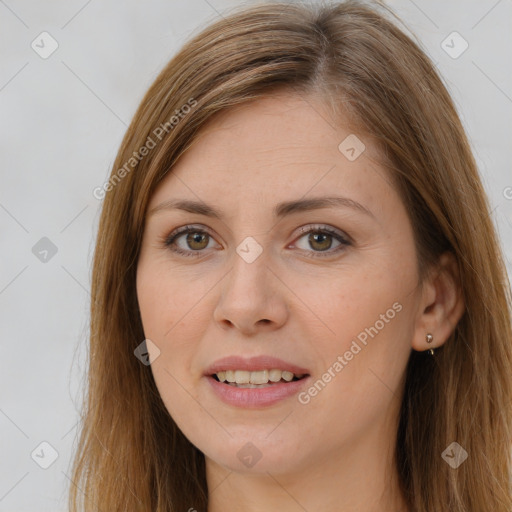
(197, 240)
(189, 241)
(320, 241)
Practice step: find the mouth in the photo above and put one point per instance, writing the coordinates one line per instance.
(255, 382)
(256, 379)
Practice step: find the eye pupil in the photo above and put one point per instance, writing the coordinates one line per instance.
(321, 238)
(196, 237)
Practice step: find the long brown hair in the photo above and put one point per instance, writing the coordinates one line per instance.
(131, 455)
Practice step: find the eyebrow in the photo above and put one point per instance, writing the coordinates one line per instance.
(280, 210)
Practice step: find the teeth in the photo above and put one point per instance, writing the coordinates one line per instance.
(259, 377)
(287, 376)
(275, 375)
(242, 377)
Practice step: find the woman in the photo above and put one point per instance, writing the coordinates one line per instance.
(298, 298)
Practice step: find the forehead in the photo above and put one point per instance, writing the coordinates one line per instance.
(282, 146)
(283, 124)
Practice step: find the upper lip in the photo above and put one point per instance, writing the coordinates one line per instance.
(256, 363)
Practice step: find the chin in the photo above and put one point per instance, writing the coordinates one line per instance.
(256, 455)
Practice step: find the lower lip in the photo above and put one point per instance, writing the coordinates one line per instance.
(254, 397)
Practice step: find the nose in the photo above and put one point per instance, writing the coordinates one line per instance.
(252, 299)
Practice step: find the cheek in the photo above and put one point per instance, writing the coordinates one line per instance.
(170, 316)
(166, 302)
(368, 326)
(360, 381)
(342, 304)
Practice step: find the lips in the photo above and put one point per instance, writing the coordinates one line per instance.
(236, 385)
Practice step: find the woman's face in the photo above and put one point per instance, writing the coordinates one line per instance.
(272, 279)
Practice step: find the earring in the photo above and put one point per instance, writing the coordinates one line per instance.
(429, 338)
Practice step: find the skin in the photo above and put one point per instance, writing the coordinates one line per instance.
(334, 453)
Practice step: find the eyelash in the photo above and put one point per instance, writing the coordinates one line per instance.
(170, 240)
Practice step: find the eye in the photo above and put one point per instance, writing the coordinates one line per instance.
(192, 244)
(192, 241)
(321, 240)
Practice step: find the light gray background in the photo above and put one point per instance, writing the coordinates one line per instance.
(62, 120)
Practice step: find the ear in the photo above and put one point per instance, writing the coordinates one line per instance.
(441, 305)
